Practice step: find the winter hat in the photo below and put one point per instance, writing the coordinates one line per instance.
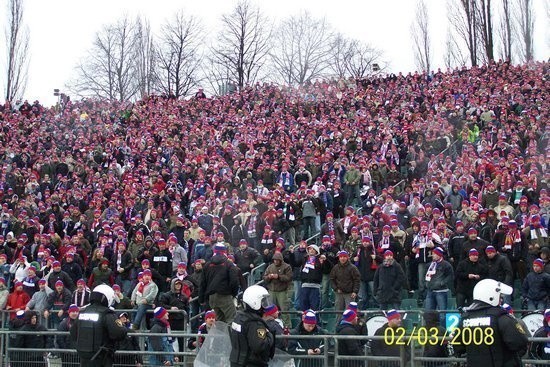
(210, 314)
(73, 308)
(472, 231)
(392, 314)
(59, 283)
(309, 318)
(388, 253)
(490, 249)
(342, 253)
(459, 223)
(20, 314)
(33, 268)
(353, 306)
(147, 272)
(56, 264)
(182, 265)
(438, 251)
(508, 308)
(271, 310)
(539, 262)
(349, 315)
(473, 252)
(547, 315)
(2, 280)
(42, 281)
(104, 261)
(145, 262)
(81, 281)
(160, 312)
(315, 247)
(116, 287)
(220, 249)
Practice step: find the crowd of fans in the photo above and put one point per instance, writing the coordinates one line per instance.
(385, 170)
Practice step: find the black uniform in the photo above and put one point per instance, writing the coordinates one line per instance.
(509, 336)
(349, 347)
(252, 344)
(96, 331)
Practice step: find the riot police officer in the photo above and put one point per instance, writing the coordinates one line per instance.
(97, 329)
(252, 343)
(488, 334)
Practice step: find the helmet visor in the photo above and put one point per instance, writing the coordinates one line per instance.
(266, 301)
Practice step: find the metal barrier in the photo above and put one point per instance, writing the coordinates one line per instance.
(407, 355)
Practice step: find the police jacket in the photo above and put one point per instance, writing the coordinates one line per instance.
(509, 337)
(97, 326)
(253, 345)
(465, 267)
(219, 277)
(500, 269)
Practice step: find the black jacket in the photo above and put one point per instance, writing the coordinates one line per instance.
(388, 282)
(218, 276)
(500, 269)
(466, 267)
(349, 347)
(301, 346)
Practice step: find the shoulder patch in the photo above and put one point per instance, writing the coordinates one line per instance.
(519, 328)
(261, 333)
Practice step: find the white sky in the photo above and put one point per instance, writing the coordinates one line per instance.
(63, 30)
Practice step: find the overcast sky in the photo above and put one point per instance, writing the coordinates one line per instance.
(63, 30)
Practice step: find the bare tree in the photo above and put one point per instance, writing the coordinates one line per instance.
(506, 34)
(420, 34)
(17, 42)
(145, 57)
(485, 27)
(109, 70)
(526, 26)
(462, 16)
(243, 44)
(178, 55)
(453, 56)
(302, 49)
(353, 58)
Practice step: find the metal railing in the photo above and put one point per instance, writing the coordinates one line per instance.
(409, 354)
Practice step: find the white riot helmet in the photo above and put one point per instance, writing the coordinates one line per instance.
(107, 292)
(489, 291)
(256, 297)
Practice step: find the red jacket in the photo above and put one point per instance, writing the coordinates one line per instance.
(17, 300)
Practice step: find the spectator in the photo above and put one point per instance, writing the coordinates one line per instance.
(176, 300)
(219, 285)
(39, 300)
(101, 274)
(143, 297)
(58, 274)
(204, 328)
(536, 287)
(275, 325)
(122, 302)
(17, 299)
(468, 273)
(349, 347)
(388, 282)
(278, 277)
(246, 258)
(308, 326)
(381, 347)
(65, 341)
(35, 339)
(438, 279)
(161, 325)
(345, 280)
(58, 304)
(81, 295)
(367, 261)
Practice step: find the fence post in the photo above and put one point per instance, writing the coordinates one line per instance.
(403, 356)
(6, 358)
(412, 352)
(336, 360)
(326, 351)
